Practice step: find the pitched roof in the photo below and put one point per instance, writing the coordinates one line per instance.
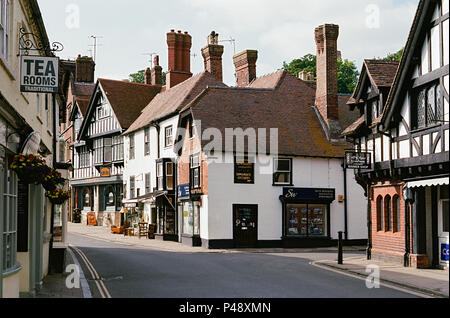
(83, 104)
(127, 99)
(382, 72)
(285, 102)
(354, 127)
(174, 99)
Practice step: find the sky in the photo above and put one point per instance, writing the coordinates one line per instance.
(281, 30)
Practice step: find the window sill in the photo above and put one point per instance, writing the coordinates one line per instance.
(12, 271)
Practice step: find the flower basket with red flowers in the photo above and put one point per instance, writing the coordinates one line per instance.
(29, 168)
(58, 196)
(52, 179)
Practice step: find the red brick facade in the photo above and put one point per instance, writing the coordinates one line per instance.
(179, 68)
(245, 63)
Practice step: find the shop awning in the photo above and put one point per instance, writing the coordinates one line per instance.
(427, 183)
(150, 196)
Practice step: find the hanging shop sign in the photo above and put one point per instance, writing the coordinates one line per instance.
(358, 160)
(309, 194)
(105, 172)
(39, 74)
(244, 172)
(184, 191)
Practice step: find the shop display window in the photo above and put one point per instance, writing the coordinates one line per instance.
(306, 220)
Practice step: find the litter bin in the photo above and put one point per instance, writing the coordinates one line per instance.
(151, 231)
(57, 259)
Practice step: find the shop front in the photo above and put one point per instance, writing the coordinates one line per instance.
(189, 207)
(166, 218)
(306, 217)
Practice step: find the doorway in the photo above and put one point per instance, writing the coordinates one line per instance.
(245, 220)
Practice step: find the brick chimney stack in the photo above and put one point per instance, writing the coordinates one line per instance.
(156, 72)
(148, 76)
(327, 72)
(245, 64)
(212, 54)
(84, 69)
(179, 57)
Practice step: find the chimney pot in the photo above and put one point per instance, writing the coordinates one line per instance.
(179, 69)
(212, 55)
(84, 69)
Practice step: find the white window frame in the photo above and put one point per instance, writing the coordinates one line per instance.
(160, 175)
(168, 142)
(290, 171)
(147, 142)
(5, 21)
(170, 175)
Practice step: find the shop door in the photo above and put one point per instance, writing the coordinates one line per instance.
(245, 225)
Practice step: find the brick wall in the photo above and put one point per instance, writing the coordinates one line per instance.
(388, 244)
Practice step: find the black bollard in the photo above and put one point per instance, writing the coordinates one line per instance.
(340, 249)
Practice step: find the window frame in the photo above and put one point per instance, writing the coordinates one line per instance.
(438, 106)
(380, 213)
(160, 175)
(168, 139)
(387, 207)
(132, 187)
(5, 27)
(132, 148)
(195, 171)
(290, 172)
(148, 183)
(147, 141)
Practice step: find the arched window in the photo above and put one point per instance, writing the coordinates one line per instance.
(380, 213)
(396, 213)
(86, 198)
(388, 213)
(110, 196)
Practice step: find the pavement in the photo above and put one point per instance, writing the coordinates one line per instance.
(430, 282)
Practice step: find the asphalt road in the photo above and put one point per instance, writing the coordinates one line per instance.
(132, 272)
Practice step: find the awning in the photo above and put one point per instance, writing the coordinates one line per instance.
(151, 196)
(427, 183)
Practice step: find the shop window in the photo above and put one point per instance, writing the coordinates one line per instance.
(8, 207)
(396, 213)
(4, 28)
(86, 199)
(169, 176)
(168, 136)
(109, 197)
(388, 213)
(306, 220)
(195, 172)
(191, 218)
(380, 218)
(282, 172)
(444, 196)
(160, 176)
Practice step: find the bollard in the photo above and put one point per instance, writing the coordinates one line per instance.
(340, 251)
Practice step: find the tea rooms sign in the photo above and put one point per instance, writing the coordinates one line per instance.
(39, 74)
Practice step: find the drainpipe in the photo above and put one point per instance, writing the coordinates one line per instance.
(52, 218)
(369, 224)
(345, 201)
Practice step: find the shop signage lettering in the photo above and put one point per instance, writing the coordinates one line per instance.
(105, 172)
(184, 191)
(309, 194)
(444, 252)
(39, 74)
(244, 173)
(357, 160)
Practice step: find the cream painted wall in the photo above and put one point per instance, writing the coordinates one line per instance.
(24, 274)
(11, 286)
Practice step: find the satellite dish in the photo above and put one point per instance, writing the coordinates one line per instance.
(31, 144)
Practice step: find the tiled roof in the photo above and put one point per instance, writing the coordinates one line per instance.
(83, 104)
(128, 99)
(353, 127)
(174, 99)
(382, 72)
(284, 102)
(83, 89)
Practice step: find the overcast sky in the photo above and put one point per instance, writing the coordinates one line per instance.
(280, 30)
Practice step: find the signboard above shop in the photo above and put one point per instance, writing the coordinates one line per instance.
(39, 74)
(358, 160)
(310, 194)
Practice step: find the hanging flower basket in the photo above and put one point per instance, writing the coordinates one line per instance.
(52, 179)
(58, 196)
(30, 168)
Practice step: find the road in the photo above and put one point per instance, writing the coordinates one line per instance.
(134, 272)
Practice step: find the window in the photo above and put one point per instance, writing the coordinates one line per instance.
(117, 148)
(107, 149)
(169, 176)
(98, 151)
(148, 184)
(306, 220)
(147, 141)
(4, 28)
(396, 213)
(191, 128)
(195, 171)
(86, 199)
(427, 107)
(282, 172)
(375, 106)
(160, 175)
(169, 136)
(444, 190)
(132, 186)
(38, 103)
(380, 217)
(109, 196)
(8, 206)
(132, 147)
(84, 156)
(388, 213)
